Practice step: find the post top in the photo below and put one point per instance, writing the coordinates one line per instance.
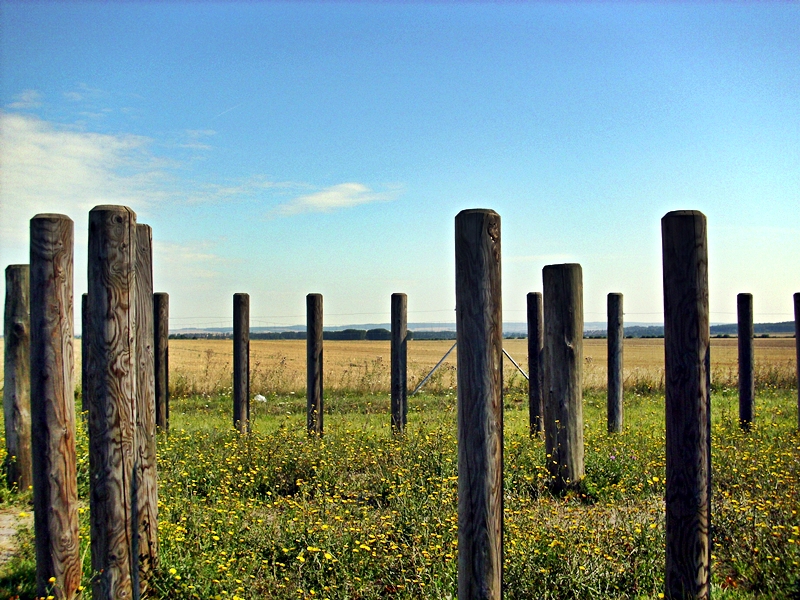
(673, 214)
(112, 208)
(562, 266)
(468, 211)
(17, 267)
(51, 217)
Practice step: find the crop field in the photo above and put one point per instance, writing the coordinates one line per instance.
(364, 514)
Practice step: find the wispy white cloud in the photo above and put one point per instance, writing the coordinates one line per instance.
(194, 139)
(343, 195)
(26, 100)
(190, 261)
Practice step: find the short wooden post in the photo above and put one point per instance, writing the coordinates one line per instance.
(479, 327)
(84, 351)
(399, 403)
(563, 373)
(55, 483)
(241, 362)
(17, 377)
(747, 385)
(161, 358)
(615, 337)
(314, 401)
(145, 475)
(535, 363)
(112, 399)
(797, 348)
(688, 431)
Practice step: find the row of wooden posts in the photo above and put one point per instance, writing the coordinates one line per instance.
(124, 387)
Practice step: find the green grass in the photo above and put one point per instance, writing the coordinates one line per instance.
(364, 514)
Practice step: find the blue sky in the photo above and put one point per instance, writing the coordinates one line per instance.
(287, 148)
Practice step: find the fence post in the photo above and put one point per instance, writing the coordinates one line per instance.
(797, 347)
(145, 474)
(161, 358)
(17, 377)
(55, 483)
(535, 358)
(747, 390)
(84, 351)
(112, 399)
(241, 362)
(615, 337)
(314, 401)
(688, 431)
(399, 364)
(563, 373)
(479, 332)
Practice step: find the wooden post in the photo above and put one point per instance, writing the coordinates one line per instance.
(314, 401)
(479, 327)
(535, 364)
(161, 358)
(797, 347)
(145, 474)
(615, 337)
(563, 373)
(55, 483)
(747, 387)
(84, 352)
(17, 377)
(241, 362)
(688, 432)
(113, 399)
(399, 365)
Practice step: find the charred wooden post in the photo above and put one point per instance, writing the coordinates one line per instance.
(241, 362)
(797, 347)
(399, 403)
(84, 352)
(479, 327)
(563, 373)
(314, 400)
(688, 431)
(747, 384)
(615, 337)
(161, 358)
(535, 364)
(55, 482)
(113, 400)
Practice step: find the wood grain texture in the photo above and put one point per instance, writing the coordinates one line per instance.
(747, 383)
(688, 416)
(615, 337)
(145, 518)
(113, 400)
(479, 327)
(241, 362)
(55, 484)
(563, 373)
(535, 363)
(399, 360)
(314, 386)
(17, 377)
(161, 358)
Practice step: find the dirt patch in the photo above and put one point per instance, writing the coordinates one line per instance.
(10, 523)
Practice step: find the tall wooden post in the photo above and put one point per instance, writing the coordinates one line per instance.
(241, 362)
(17, 377)
(535, 363)
(797, 347)
(84, 351)
(145, 474)
(161, 358)
(479, 327)
(55, 483)
(113, 399)
(399, 366)
(747, 384)
(688, 431)
(563, 373)
(314, 401)
(615, 337)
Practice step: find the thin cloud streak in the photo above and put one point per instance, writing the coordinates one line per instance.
(343, 195)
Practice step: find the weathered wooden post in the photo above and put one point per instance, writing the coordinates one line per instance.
(17, 377)
(535, 363)
(55, 483)
(314, 401)
(797, 347)
(747, 385)
(161, 358)
(479, 327)
(688, 431)
(84, 351)
(563, 373)
(145, 474)
(241, 362)
(112, 399)
(615, 337)
(399, 365)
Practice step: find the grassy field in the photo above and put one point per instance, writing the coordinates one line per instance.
(364, 514)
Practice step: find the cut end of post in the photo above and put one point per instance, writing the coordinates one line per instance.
(676, 214)
(470, 211)
(113, 208)
(51, 217)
